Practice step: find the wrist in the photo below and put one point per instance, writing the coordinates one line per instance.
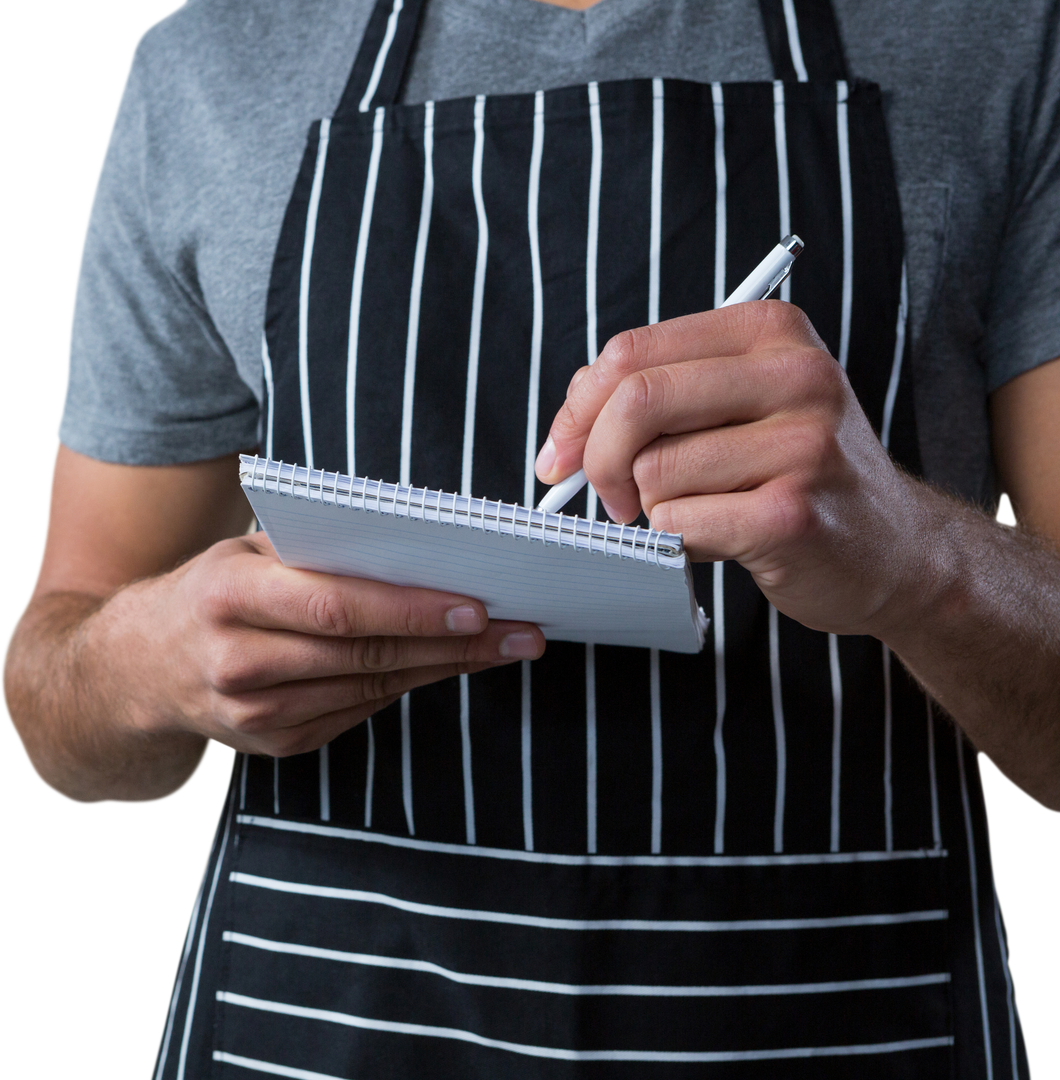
(126, 657)
(65, 695)
(929, 569)
(974, 621)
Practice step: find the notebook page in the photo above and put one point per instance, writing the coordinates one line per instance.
(573, 595)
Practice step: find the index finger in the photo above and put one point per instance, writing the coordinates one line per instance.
(266, 594)
(731, 331)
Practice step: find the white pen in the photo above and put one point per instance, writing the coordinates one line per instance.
(762, 280)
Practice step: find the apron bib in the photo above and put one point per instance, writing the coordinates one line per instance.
(610, 861)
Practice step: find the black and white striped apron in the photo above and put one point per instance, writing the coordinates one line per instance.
(768, 859)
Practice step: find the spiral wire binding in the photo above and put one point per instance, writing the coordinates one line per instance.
(426, 504)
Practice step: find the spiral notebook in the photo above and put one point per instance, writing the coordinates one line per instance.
(579, 580)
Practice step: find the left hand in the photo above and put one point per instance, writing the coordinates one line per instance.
(736, 428)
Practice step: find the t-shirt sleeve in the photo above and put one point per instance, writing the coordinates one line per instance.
(1023, 320)
(151, 379)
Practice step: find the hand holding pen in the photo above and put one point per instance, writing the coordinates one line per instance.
(765, 277)
(739, 430)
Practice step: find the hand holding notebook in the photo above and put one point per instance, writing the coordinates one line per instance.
(579, 580)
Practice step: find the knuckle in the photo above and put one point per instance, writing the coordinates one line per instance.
(803, 363)
(653, 465)
(414, 621)
(327, 613)
(250, 716)
(577, 377)
(620, 352)
(820, 441)
(219, 600)
(774, 325)
(791, 511)
(808, 444)
(377, 654)
(793, 322)
(227, 669)
(812, 374)
(801, 327)
(634, 397)
(379, 685)
(628, 351)
(781, 321)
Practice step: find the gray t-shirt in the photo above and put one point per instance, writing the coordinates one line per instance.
(166, 360)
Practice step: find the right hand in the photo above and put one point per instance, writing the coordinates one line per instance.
(234, 646)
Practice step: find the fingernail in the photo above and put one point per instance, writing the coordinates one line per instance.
(464, 620)
(520, 646)
(578, 376)
(547, 458)
(611, 514)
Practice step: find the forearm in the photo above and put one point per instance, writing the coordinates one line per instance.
(979, 627)
(66, 699)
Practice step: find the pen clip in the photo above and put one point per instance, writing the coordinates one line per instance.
(778, 280)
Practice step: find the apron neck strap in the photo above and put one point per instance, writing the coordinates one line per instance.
(804, 40)
(382, 60)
